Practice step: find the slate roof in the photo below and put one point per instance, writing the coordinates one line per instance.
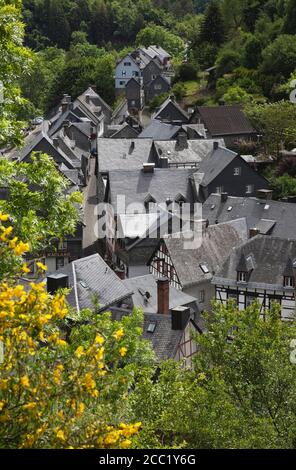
(90, 278)
(271, 256)
(156, 51)
(195, 152)
(279, 216)
(167, 102)
(161, 184)
(216, 244)
(96, 100)
(214, 163)
(225, 120)
(120, 154)
(142, 284)
(158, 130)
(119, 131)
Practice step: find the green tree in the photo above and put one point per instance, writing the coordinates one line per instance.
(38, 201)
(280, 56)
(212, 29)
(58, 28)
(252, 53)
(289, 25)
(15, 62)
(276, 123)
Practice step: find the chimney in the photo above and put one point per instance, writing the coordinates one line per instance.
(264, 194)
(164, 162)
(66, 123)
(180, 317)
(148, 167)
(182, 141)
(56, 282)
(120, 273)
(224, 197)
(221, 102)
(253, 232)
(215, 145)
(55, 142)
(163, 294)
(132, 147)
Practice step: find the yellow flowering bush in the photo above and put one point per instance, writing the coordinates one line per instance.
(64, 380)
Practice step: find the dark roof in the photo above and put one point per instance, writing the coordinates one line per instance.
(225, 120)
(211, 251)
(161, 184)
(214, 163)
(121, 154)
(158, 130)
(92, 278)
(160, 112)
(142, 284)
(270, 217)
(271, 256)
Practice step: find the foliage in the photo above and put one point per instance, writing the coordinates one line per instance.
(283, 186)
(276, 123)
(38, 201)
(154, 34)
(15, 60)
(287, 165)
(236, 95)
(186, 72)
(227, 61)
(212, 28)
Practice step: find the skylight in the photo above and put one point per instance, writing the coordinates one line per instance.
(204, 268)
(213, 207)
(151, 327)
(266, 207)
(229, 208)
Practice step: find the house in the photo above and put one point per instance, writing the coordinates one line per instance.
(263, 268)
(227, 122)
(126, 68)
(122, 131)
(123, 154)
(134, 95)
(191, 268)
(158, 86)
(171, 112)
(171, 318)
(183, 153)
(223, 170)
(159, 130)
(152, 70)
(93, 284)
(263, 215)
(158, 53)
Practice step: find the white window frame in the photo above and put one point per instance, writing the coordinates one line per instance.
(249, 188)
(242, 276)
(237, 171)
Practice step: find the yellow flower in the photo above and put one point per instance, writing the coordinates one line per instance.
(79, 352)
(29, 406)
(81, 408)
(126, 444)
(25, 381)
(122, 351)
(41, 266)
(21, 248)
(99, 339)
(3, 217)
(5, 233)
(118, 334)
(25, 268)
(2, 403)
(12, 242)
(60, 435)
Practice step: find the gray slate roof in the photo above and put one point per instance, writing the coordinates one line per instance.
(158, 130)
(91, 278)
(270, 256)
(217, 243)
(162, 184)
(259, 213)
(214, 163)
(121, 154)
(225, 120)
(170, 102)
(142, 284)
(196, 151)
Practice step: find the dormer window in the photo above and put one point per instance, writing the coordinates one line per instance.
(289, 281)
(241, 276)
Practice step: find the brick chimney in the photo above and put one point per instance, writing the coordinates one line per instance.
(148, 167)
(120, 273)
(224, 197)
(215, 145)
(253, 232)
(163, 296)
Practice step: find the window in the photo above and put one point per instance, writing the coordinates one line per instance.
(202, 296)
(242, 276)
(219, 189)
(122, 82)
(151, 327)
(157, 87)
(60, 262)
(289, 281)
(123, 73)
(204, 268)
(135, 74)
(237, 171)
(127, 64)
(153, 77)
(133, 103)
(249, 188)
